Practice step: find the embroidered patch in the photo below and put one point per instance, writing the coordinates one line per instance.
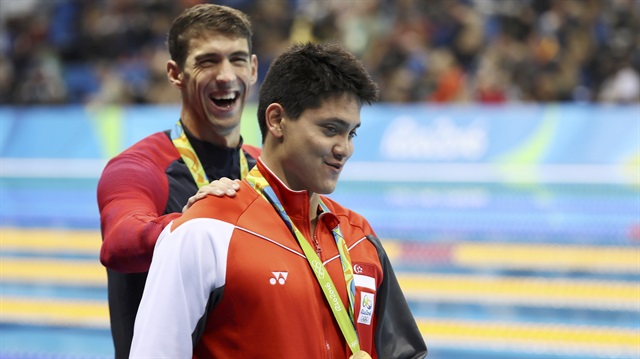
(364, 269)
(366, 308)
(365, 281)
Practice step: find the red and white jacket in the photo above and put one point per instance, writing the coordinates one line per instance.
(229, 280)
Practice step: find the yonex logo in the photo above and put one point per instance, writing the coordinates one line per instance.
(278, 277)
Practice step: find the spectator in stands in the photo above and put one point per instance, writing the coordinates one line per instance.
(546, 50)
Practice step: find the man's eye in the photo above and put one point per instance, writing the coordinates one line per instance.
(331, 130)
(353, 134)
(207, 62)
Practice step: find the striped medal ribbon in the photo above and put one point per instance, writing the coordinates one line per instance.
(188, 155)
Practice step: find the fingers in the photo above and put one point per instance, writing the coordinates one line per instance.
(223, 186)
(229, 183)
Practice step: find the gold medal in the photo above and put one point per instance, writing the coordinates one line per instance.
(361, 355)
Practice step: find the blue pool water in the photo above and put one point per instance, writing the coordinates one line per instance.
(585, 215)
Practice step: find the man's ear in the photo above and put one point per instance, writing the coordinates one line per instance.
(274, 116)
(254, 69)
(174, 74)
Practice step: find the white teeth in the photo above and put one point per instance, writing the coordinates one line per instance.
(229, 96)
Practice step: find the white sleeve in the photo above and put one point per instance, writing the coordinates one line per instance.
(188, 264)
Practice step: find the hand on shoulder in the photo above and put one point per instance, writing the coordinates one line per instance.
(222, 187)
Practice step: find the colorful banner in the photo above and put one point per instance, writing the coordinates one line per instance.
(521, 143)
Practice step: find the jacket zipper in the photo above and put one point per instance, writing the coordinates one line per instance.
(317, 244)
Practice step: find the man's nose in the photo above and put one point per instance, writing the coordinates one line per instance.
(225, 73)
(343, 149)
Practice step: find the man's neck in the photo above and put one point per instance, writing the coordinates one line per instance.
(314, 202)
(208, 133)
(274, 166)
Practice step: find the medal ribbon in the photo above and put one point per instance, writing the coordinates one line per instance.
(182, 144)
(345, 319)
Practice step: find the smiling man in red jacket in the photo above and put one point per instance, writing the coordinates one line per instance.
(144, 188)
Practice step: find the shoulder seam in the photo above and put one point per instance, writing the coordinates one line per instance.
(270, 240)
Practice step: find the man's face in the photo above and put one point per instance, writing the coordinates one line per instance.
(318, 144)
(217, 76)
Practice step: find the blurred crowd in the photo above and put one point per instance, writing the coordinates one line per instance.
(438, 51)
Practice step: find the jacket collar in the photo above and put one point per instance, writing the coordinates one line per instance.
(296, 203)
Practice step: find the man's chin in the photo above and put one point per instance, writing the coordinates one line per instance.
(326, 189)
(224, 119)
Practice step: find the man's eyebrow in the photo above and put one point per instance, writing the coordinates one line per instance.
(218, 55)
(342, 123)
(240, 53)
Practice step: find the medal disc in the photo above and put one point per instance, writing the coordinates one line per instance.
(361, 355)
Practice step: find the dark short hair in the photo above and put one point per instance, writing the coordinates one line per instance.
(307, 74)
(205, 17)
